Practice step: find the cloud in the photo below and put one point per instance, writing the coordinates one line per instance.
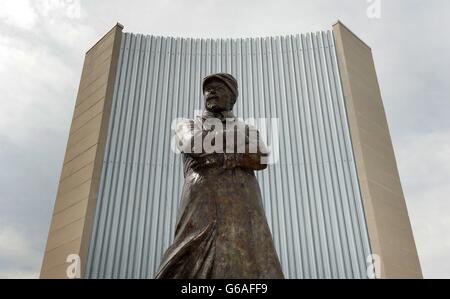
(18, 13)
(21, 108)
(19, 275)
(40, 64)
(18, 258)
(424, 165)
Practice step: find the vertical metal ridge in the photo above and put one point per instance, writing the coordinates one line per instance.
(311, 195)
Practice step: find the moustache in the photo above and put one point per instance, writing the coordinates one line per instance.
(208, 98)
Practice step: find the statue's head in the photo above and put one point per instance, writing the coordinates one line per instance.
(220, 92)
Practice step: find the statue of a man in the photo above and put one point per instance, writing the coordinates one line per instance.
(221, 230)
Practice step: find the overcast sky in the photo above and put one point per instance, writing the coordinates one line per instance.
(42, 46)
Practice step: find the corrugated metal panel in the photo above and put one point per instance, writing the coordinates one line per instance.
(311, 196)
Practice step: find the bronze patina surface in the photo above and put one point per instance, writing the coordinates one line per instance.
(221, 229)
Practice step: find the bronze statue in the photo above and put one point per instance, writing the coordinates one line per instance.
(221, 230)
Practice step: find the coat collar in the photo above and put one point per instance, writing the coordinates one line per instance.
(223, 116)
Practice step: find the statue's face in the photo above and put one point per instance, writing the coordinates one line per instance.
(218, 97)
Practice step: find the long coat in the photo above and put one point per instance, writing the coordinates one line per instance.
(221, 229)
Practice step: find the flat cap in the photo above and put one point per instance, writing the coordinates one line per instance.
(228, 79)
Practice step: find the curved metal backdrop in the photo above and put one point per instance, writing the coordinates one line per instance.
(311, 196)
